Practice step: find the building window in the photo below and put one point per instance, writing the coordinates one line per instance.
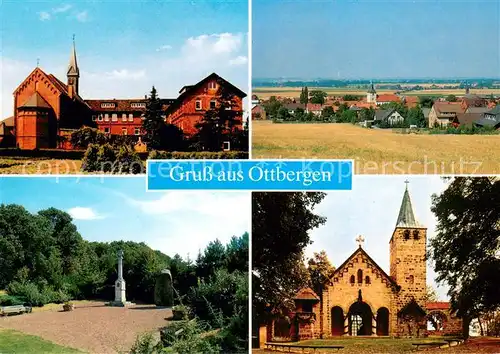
(94, 118)
(107, 105)
(416, 235)
(353, 279)
(367, 280)
(114, 117)
(307, 307)
(130, 117)
(198, 105)
(213, 104)
(106, 130)
(138, 105)
(106, 117)
(124, 131)
(99, 118)
(360, 276)
(226, 146)
(124, 117)
(212, 85)
(406, 234)
(137, 131)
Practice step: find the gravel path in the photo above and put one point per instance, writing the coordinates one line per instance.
(94, 328)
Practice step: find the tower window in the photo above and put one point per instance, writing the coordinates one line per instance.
(416, 235)
(367, 280)
(353, 279)
(360, 276)
(406, 234)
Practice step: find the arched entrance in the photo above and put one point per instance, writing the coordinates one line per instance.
(383, 322)
(436, 321)
(360, 319)
(337, 317)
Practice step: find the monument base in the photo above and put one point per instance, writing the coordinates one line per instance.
(120, 304)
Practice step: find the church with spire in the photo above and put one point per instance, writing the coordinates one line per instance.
(361, 299)
(47, 110)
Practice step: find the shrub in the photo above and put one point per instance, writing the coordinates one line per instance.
(127, 161)
(105, 159)
(180, 312)
(189, 337)
(145, 345)
(36, 295)
(195, 155)
(85, 136)
(11, 300)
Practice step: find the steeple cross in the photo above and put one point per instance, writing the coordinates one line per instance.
(407, 182)
(360, 240)
(37, 62)
(73, 38)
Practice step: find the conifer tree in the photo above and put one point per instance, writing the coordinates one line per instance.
(153, 122)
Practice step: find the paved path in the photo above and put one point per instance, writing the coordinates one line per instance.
(94, 328)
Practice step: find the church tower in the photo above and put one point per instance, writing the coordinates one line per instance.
(407, 257)
(73, 73)
(371, 95)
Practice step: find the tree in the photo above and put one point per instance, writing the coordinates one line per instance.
(272, 106)
(318, 97)
(367, 114)
(283, 114)
(171, 138)
(431, 295)
(327, 113)
(416, 117)
(465, 250)
(451, 98)
(280, 226)
(320, 271)
(220, 122)
(85, 136)
(153, 122)
(426, 101)
(304, 97)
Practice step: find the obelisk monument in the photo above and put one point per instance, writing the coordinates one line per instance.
(120, 297)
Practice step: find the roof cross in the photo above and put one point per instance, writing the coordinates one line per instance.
(37, 62)
(360, 240)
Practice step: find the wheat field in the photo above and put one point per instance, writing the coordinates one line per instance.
(378, 151)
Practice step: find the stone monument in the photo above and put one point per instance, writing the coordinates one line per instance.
(120, 297)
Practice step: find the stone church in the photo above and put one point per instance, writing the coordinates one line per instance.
(361, 299)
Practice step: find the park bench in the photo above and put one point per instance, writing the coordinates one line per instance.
(11, 310)
(429, 344)
(451, 340)
(283, 347)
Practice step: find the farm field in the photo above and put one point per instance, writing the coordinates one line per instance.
(378, 151)
(21, 165)
(266, 92)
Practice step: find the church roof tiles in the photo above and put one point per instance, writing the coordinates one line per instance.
(36, 101)
(306, 294)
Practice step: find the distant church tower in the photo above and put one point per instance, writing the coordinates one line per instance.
(73, 73)
(407, 259)
(371, 95)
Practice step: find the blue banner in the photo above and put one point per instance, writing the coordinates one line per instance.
(253, 175)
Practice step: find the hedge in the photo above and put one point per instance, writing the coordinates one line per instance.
(58, 154)
(196, 155)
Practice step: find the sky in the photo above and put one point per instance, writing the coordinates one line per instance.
(109, 209)
(371, 209)
(350, 39)
(124, 47)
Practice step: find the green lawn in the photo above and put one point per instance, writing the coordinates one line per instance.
(18, 342)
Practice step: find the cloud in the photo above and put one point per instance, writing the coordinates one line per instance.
(163, 48)
(62, 8)
(209, 46)
(125, 74)
(44, 16)
(239, 60)
(82, 16)
(80, 213)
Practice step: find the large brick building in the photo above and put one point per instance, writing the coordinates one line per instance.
(361, 299)
(47, 111)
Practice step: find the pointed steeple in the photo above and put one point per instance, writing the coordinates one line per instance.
(372, 88)
(406, 216)
(73, 65)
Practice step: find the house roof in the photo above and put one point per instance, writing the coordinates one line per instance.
(293, 106)
(382, 114)
(124, 105)
(191, 88)
(489, 121)
(448, 107)
(9, 122)
(314, 107)
(306, 294)
(438, 305)
(412, 99)
(477, 110)
(412, 307)
(406, 217)
(363, 252)
(467, 119)
(388, 97)
(495, 110)
(35, 101)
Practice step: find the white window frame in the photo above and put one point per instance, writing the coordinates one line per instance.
(108, 130)
(137, 131)
(100, 118)
(106, 117)
(124, 131)
(107, 105)
(124, 117)
(226, 146)
(114, 117)
(198, 105)
(138, 105)
(130, 117)
(94, 118)
(212, 85)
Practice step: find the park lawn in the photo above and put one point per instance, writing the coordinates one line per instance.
(17, 342)
(20, 165)
(378, 151)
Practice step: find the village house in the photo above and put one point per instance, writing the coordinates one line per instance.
(444, 113)
(47, 111)
(490, 118)
(390, 116)
(373, 97)
(258, 112)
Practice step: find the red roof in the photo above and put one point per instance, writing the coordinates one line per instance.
(438, 305)
(306, 294)
(388, 97)
(314, 107)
